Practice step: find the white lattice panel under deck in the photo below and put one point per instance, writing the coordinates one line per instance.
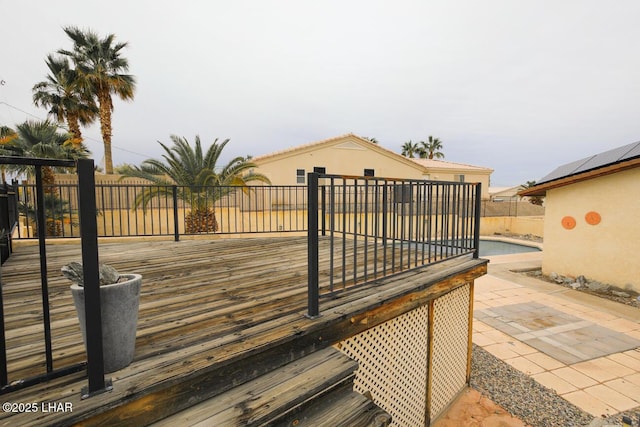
(450, 347)
(392, 361)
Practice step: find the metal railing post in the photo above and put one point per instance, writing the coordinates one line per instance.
(323, 207)
(42, 233)
(313, 292)
(89, 243)
(476, 225)
(176, 230)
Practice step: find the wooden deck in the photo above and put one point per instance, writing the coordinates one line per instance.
(213, 314)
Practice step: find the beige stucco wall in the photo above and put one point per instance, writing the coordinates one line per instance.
(533, 225)
(607, 252)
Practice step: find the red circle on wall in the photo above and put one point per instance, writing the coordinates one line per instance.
(593, 218)
(568, 222)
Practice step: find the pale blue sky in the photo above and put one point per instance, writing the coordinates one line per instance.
(518, 86)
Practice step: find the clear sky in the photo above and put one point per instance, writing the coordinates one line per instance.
(518, 86)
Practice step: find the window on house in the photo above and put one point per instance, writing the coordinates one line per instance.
(458, 178)
(300, 176)
(369, 172)
(319, 169)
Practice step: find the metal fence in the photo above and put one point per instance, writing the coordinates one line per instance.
(151, 210)
(512, 207)
(375, 227)
(86, 204)
(9, 218)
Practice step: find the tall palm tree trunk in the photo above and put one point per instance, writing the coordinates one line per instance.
(74, 128)
(53, 225)
(105, 127)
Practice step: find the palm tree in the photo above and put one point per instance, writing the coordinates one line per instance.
(410, 149)
(65, 97)
(432, 148)
(6, 136)
(195, 174)
(100, 66)
(371, 139)
(42, 139)
(534, 200)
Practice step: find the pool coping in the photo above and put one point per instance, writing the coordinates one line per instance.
(522, 242)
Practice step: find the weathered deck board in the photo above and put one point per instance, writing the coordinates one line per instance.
(204, 303)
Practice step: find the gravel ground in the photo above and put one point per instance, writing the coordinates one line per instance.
(522, 396)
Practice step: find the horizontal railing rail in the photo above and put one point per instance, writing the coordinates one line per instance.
(372, 227)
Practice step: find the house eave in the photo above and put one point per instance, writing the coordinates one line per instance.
(541, 189)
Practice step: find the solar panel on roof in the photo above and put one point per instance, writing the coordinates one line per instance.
(634, 152)
(606, 158)
(564, 170)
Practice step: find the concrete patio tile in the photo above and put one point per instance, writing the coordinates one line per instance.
(492, 283)
(574, 377)
(484, 314)
(602, 369)
(553, 350)
(524, 336)
(518, 299)
(501, 351)
(578, 308)
(541, 359)
(589, 403)
(611, 397)
(525, 365)
(635, 353)
(625, 387)
(509, 328)
(482, 340)
(592, 349)
(522, 348)
(634, 379)
(516, 292)
(494, 302)
(479, 305)
(626, 360)
(494, 322)
(598, 317)
(482, 297)
(634, 334)
(554, 382)
(622, 325)
(480, 326)
(497, 336)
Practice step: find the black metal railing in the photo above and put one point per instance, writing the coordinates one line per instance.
(86, 216)
(8, 218)
(365, 228)
(153, 210)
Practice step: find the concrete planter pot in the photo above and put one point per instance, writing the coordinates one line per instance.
(120, 302)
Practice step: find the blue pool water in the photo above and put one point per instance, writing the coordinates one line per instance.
(493, 247)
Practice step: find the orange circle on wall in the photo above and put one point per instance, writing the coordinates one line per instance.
(568, 222)
(593, 218)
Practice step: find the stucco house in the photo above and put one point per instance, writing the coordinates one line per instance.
(352, 155)
(501, 194)
(591, 219)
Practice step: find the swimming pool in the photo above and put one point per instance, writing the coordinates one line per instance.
(497, 247)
